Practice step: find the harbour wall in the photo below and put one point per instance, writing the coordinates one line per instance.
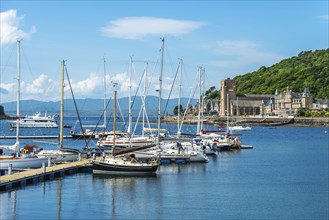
(260, 121)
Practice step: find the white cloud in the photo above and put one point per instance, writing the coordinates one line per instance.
(139, 27)
(6, 88)
(93, 86)
(243, 56)
(41, 88)
(84, 88)
(10, 27)
(324, 18)
(37, 86)
(45, 89)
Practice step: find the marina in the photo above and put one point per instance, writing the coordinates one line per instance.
(156, 110)
(284, 171)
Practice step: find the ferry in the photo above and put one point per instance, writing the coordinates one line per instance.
(36, 121)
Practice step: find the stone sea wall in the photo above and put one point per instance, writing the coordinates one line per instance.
(221, 121)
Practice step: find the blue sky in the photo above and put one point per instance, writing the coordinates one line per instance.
(226, 38)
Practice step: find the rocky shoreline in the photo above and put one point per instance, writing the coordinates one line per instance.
(255, 121)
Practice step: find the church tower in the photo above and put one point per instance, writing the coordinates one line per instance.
(228, 86)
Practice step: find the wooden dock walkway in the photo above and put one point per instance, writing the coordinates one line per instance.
(23, 178)
(34, 137)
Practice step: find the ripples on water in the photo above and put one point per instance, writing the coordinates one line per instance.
(285, 176)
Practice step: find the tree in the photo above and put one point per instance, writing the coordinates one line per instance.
(175, 111)
(213, 95)
(210, 90)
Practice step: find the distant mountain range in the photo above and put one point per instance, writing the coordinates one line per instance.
(93, 107)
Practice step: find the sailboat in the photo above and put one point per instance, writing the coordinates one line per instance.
(188, 146)
(16, 160)
(62, 154)
(125, 139)
(236, 126)
(126, 165)
(92, 133)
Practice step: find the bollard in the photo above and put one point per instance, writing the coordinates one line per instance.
(79, 158)
(43, 167)
(10, 169)
(49, 162)
(94, 156)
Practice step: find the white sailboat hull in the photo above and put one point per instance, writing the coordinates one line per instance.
(23, 163)
(59, 156)
(126, 142)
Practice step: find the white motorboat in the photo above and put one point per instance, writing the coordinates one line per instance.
(36, 121)
(239, 128)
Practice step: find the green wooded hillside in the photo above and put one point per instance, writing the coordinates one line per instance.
(309, 69)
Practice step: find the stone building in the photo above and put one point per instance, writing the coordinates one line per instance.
(240, 105)
(284, 104)
(228, 93)
(288, 102)
(319, 104)
(211, 106)
(252, 105)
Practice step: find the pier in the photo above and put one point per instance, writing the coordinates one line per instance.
(34, 137)
(23, 178)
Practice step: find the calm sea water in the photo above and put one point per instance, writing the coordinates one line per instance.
(285, 176)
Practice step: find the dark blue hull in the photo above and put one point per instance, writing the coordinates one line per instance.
(116, 169)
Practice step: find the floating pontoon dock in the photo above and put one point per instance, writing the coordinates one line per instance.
(23, 178)
(34, 137)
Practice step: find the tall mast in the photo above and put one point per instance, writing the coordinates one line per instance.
(130, 102)
(145, 91)
(180, 91)
(104, 93)
(61, 115)
(200, 100)
(115, 115)
(227, 113)
(18, 93)
(160, 87)
(202, 96)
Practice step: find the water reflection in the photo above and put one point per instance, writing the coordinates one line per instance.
(8, 205)
(59, 198)
(185, 168)
(124, 191)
